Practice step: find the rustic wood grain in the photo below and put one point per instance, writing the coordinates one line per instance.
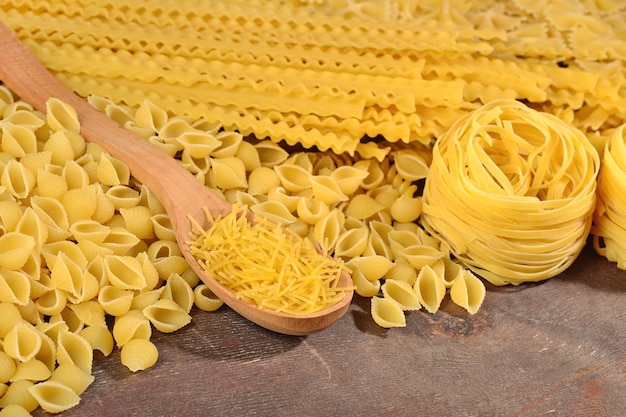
(557, 348)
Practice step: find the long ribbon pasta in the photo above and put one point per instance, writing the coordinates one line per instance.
(609, 222)
(511, 192)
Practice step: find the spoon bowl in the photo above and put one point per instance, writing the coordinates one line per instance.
(180, 193)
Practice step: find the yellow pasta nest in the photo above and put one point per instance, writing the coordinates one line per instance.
(266, 264)
(511, 191)
(609, 227)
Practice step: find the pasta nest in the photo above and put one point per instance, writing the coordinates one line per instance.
(511, 192)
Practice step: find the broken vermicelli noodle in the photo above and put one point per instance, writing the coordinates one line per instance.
(511, 192)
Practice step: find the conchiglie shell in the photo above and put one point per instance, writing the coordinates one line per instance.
(167, 316)
(293, 178)
(237, 196)
(89, 312)
(174, 127)
(326, 232)
(274, 211)
(261, 180)
(115, 301)
(399, 240)
(15, 248)
(362, 206)
(132, 325)
(18, 140)
(32, 370)
(468, 291)
(59, 145)
(179, 291)
(352, 243)
(145, 298)
(89, 230)
(387, 313)
(281, 195)
(377, 245)
(205, 300)
(300, 228)
(19, 394)
(411, 166)
(229, 172)
(51, 251)
(401, 270)
(69, 320)
(54, 397)
(249, 155)
(18, 180)
(402, 293)
(430, 289)
(99, 338)
(31, 225)
(14, 287)
(47, 351)
(22, 113)
(452, 270)
(14, 410)
(74, 349)
(72, 377)
(11, 317)
(10, 214)
(150, 116)
(120, 241)
(162, 227)
(61, 116)
(420, 256)
(365, 287)
(35, 162)
(75, 176)
(124, 272)
(22, 342)
(198, 144)
(311, 210)
(30, 313)
(53, 214)
(123, 196)
(170, 147)
(52, 302)
(139, 354)
(80, 203)
(112, 171)
(230, 142)
(150, 271)
(375, 174)
(406, 209)
(373, 267)
(349, 178)
(7, 367)
(105, 209)
(270, 153)
(170, 265)
(327, 190)
(305, 160)
(138, 221)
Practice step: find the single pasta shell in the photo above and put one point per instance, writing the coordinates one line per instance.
(61, 116)
(115, 301)
(373, 267)
(420, 256)
(406, 209)
(327, 190)
(205, 300)
(270, 153)
(54, 397)
(365, 287)
(401, 270)
(33, 370)
(167, 316)
(132, 325)
(122, 196)
(162, 227)
(387, 313)
(402, 293)
(411, 166)
(7, 367)
(14, 287)
(261, 180)
(19, 394)
(274, 211)
(430, 289)
(349, 178)
(311, 210)
(18, 140)
(178, 290)
(139, 354)
(468, 291)
(198, 144)
(230, 142)
(363, 206)
(52, 302)
(112, 171)
(99, 337)
(293, 178)
(14, 410)
(74, 349)
(73, 377)
(229, 172)
(249, 155)
(352, 243)
(22, 342)
(89, 312)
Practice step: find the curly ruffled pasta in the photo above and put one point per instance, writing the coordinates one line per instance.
(511, 192)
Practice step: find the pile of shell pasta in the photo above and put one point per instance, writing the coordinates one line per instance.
(356, 124)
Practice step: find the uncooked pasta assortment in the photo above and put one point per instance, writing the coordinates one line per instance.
(425, 146)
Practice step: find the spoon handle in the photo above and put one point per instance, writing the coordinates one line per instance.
(168, 180)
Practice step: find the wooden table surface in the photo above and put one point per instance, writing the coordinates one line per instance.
(557, 348)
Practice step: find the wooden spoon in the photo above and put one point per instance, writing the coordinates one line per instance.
(178, 190)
